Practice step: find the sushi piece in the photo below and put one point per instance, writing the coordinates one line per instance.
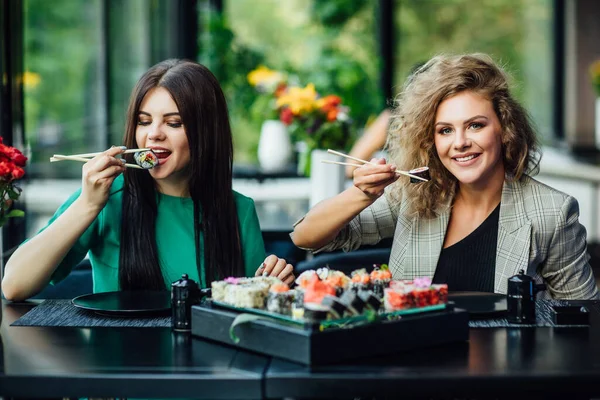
(246, 296)
(218, 290)
(441, 294)
(397, 298)
(337, 308)
(305, 277)
(316, 291)
(146, 159)
(339, 281)
(380, 279)
(280, 299)
(315, 313)
(422, 172)
(353, 303)
(371, 300)
(360, 280)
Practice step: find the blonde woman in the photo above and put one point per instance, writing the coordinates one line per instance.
(481, 218)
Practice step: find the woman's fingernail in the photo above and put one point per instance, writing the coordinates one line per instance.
(123, 147)
(123, 160)
(265, 273)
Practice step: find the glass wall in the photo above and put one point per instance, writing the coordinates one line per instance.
(81, 61)
(517, 33)
(64, 92)
(332, 44)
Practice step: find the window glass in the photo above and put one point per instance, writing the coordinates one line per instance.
(516, 33)
(331, 44)
(64, 95)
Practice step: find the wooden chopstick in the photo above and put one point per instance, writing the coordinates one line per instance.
(60, 157)
(128, 151)
(341, 163)
(337, 153)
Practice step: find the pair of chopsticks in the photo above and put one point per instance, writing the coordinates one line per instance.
(337, 153)
(85, 157)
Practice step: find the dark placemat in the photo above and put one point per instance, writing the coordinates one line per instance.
(543, 316)
(64, 313)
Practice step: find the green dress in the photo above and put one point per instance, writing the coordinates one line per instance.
(174, 239)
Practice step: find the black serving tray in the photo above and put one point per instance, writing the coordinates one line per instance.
(312, 345)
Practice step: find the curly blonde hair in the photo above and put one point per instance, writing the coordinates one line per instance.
(410, 140)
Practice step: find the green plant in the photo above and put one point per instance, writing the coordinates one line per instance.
(12, 162)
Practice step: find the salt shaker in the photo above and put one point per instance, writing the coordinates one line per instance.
(184, 293)
(520, 298)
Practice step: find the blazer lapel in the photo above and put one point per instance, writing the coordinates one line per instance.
(423, 245)
(514, 236)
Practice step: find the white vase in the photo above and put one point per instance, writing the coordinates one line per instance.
(274, 147)
(597, 133)
(326, 180)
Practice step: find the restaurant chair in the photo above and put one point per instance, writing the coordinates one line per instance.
(77, 283)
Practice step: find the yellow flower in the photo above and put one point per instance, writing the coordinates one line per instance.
(31, 79)
(263, 76)
(298, 99)
(595, 69)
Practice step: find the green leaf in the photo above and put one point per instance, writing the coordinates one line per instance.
(14, 193)
(15, 213)
(239, 320)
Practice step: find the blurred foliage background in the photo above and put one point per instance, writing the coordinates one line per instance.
(85, 57)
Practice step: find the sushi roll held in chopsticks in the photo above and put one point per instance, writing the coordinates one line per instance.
(422, 172)
(146, 159)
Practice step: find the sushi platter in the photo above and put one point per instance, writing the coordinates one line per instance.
(327, 314)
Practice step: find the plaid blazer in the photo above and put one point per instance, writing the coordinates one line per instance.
(538, 232)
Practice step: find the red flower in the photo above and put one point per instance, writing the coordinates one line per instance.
(281, 88)
(12, 154)
(17, 173)
(286, 116)
(332, 114)
(6, 168)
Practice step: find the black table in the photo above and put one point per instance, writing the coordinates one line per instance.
(495, 363)
(120, 362)
(153, 362)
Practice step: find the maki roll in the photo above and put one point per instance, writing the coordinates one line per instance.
(338, 281)
(372, 301)
(360, 280)
(336, 307)
(279, 299)
(353, 303)
(422, 172)
(304, 278)
(146, 159)
(380, 280)
(315, 313)
(316, 291)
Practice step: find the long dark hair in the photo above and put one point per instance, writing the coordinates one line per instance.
(204, 114)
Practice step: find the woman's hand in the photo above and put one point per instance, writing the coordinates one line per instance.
(373, 179)
(277, 267)
(98, 176)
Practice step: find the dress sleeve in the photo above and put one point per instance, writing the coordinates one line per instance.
(79, 249)
(253, 246)
(567, 270)
(374, 223)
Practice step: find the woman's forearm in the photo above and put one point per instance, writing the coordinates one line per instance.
(30, 267)
(325, 220)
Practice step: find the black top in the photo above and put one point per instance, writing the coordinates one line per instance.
(470, 264)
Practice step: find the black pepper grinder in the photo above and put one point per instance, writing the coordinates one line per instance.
(520, 298)
(184, 293)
